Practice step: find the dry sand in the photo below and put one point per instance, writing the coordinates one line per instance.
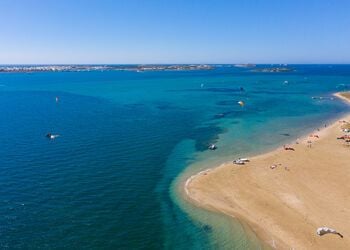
(343, 95)
(309, 188)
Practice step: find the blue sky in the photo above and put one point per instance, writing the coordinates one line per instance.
(155, 31)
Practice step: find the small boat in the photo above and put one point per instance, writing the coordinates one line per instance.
(51, 136)
(212, 147)
(244, 159)
(238, 162)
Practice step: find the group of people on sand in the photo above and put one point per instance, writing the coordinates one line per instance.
(346, 129)
(279, 165)
(309, 142)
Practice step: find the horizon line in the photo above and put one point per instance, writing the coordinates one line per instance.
(14, 64)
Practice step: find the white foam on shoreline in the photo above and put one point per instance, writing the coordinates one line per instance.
(188, 181)
(192, 177)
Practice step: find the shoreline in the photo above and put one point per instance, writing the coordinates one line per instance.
(262, 197)
(345, 96)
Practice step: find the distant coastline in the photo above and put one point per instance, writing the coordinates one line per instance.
(137, 67)
(77, 68)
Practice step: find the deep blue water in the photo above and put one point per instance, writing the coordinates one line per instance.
(105, 183)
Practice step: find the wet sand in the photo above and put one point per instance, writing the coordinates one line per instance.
(285, 195)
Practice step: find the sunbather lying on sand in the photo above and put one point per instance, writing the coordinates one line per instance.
(288, 148)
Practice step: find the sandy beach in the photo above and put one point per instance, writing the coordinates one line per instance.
(285, 195)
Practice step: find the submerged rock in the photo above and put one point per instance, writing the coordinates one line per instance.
(207, 228)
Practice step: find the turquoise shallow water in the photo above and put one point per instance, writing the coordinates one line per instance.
(128, 139)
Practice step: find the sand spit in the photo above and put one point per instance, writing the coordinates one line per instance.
(285, 195)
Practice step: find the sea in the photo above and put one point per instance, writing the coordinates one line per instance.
(114, 177)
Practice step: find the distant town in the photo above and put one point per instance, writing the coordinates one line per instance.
(75, 68)
(139, 68)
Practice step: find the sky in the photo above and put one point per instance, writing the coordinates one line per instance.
(182, 31)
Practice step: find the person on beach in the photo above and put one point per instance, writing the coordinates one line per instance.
(288, 148)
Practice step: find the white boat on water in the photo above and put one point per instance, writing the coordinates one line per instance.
(212, 147)
(51, 136)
